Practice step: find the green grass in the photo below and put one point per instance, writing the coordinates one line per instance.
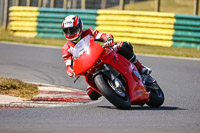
(172, 6)
(168, 51)
(144, 49)
(17, 88)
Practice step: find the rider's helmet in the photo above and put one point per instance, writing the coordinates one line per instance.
(72, 28)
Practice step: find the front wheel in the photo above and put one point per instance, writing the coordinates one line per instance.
(116, 95)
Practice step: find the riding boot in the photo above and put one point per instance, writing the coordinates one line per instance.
(141, 68)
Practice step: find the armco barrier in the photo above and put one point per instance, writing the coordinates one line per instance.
(139, 27)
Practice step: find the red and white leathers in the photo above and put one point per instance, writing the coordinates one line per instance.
(68, 47)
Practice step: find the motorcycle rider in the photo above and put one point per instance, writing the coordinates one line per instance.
(72, 27)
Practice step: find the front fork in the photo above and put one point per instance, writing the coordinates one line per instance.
(111, 74)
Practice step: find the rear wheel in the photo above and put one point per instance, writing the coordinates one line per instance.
(156, 94)
(156, 98)
(113, 91)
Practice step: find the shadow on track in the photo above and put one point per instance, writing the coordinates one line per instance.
(145, 108)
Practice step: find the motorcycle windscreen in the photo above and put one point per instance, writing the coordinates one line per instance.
(86, 53)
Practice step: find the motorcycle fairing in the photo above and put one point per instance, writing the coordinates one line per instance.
(86, 61)
(138, 95)
(92, 59)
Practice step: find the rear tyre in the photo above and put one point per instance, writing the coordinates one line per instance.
(156, 94)
(118, 97)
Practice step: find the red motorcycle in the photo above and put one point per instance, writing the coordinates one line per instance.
(114, 77)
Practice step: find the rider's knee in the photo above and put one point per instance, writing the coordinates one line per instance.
(126, 50)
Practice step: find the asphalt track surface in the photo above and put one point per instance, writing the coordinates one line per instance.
(179, 78)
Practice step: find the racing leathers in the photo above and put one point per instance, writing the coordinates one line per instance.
(68, 47)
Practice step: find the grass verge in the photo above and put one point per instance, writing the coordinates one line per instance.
(17, 88)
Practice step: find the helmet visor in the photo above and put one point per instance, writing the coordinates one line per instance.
(71, 31)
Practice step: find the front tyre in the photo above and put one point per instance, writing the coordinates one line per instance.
(117, 97)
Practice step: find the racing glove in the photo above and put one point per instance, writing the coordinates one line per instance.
(73, 75)
(70, 72)
(109, 42)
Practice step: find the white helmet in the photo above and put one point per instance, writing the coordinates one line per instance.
(72, 27)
